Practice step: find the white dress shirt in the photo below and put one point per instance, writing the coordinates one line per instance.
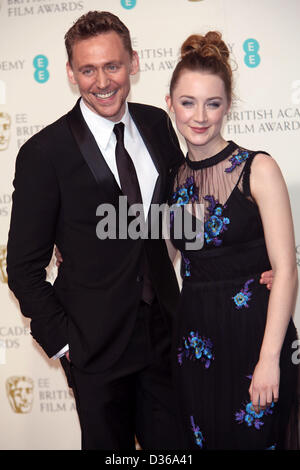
(102, 130)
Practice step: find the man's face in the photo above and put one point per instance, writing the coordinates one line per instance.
(4, 131)
(101, 67)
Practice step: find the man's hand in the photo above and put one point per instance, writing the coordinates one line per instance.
(267, 278)
(58, 257)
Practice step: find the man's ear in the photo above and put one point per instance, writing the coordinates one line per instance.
(70, 74)
(135, 63)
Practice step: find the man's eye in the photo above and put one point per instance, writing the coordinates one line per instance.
(87, 72)
(112, 68)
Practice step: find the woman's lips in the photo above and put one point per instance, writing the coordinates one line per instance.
(199, 130)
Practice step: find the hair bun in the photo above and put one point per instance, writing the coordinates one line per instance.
(210, 45)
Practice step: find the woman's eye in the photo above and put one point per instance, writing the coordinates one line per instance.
(187, 103)
(214, 104)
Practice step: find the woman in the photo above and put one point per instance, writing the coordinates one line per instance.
(234, 371)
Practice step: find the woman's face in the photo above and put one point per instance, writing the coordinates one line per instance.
(200, 103)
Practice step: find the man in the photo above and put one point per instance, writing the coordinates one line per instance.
(112, 301)
(110, 309)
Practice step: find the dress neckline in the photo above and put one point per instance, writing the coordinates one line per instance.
(207, 162)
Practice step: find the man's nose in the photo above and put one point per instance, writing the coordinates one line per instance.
(103, 80)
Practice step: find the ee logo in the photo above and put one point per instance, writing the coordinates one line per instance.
(252, 58)
(128, 4)
(40, 63)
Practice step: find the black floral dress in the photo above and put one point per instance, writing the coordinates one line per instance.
(222, 314)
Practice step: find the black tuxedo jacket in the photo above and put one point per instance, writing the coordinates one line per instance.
(61, 178)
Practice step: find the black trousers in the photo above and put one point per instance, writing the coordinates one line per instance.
(134, 397)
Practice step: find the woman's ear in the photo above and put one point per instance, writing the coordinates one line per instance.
(169, 103)
(228, 107)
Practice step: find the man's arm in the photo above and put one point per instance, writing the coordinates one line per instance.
(36, 202)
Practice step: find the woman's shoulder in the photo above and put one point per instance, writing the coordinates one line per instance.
(259, 160)
(263, 164)
(266, 175)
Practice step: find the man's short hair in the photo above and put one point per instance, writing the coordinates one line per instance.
(94, 23)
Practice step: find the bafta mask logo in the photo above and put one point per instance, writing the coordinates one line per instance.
(5, 123)
(20, 393)
(3, 273)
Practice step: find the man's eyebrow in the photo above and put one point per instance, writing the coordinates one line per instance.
(111, 62)
(85, 66)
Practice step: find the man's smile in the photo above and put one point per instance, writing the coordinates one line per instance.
(104, 96)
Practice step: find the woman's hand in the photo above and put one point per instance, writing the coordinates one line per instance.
(264, 387)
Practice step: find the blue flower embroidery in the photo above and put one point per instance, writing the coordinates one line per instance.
(217, 223)
(196, 347)
(183, 195)
(186, 193)
(250, 417)
(187, 265)
(242, 297)
(236, 160)
(197, 433)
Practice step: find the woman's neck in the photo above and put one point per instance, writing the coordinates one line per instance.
(201, 152)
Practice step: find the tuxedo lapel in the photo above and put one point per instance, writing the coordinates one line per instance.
(91, 153)
(152, 145)
(96, 162)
